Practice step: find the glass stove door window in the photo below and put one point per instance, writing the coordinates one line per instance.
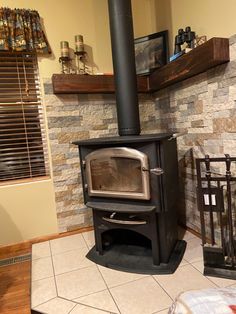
(118, 174)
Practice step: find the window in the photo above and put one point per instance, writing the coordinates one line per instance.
(23, 149)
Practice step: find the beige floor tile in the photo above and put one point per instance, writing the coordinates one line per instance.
(101, 300)
(42, 291)
(80, 283)
(67, 244)
(89, 238)
(183, 262)
(143, 296)
(193, 251)
(56, 306)
(220, 282)
(185, 278)
(166, 311)
(71, 260)
(115, 278)
(183, 234)
(42, 268)
(81, 309)
(40, 250)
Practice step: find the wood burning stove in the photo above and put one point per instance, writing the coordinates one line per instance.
(131, 183)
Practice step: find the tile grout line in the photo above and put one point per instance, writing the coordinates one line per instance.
(93, 307)
(53, 269)
(205, 276)
(55, 283)
(35, 307)
(167, 308)
(109, 290)
(101, 275)
(72, 309)
(78, 248)
(73, 300)
(214, 277)
(85, 240)
(86, 295)
(121, 284)
(70, 271)
(42, 279)
(162, 288)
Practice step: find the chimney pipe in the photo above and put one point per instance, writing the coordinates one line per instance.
(122, 40)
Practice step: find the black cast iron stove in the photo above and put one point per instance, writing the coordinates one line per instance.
(131, 181)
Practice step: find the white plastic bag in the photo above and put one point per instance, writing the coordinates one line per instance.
(207, 301)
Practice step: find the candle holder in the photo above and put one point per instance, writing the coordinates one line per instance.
(81, 57)
(65, 64)
(65, 59)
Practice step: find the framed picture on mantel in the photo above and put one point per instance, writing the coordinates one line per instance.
(151, 52)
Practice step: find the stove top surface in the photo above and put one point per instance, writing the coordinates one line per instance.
(125, 139)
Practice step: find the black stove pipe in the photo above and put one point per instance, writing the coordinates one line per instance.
(122, 41)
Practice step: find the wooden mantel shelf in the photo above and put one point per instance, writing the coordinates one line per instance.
(88, 84)
(212, 53)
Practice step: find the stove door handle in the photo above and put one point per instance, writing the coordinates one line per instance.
(157, 171)
(125, 222)
(175, 135)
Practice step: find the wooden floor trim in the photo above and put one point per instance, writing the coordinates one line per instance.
(24, 247)
(197, 234)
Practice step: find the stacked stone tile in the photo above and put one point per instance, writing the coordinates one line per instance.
(204, 106)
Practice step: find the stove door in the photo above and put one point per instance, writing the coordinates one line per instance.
(118, 172)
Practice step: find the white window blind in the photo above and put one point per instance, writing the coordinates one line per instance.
(23, 147)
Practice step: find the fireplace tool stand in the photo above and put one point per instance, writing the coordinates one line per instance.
(218, 215)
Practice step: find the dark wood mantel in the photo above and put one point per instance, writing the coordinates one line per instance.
(88, 84)
(212, 53)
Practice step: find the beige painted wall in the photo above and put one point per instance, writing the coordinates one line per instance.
(28, 210)
(213, 18)
(63, 20)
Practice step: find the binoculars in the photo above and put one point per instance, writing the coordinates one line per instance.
(184, 36)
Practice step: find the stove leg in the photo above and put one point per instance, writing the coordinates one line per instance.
(98, 241)
(154, 240)
(155, 252)
(97, 233)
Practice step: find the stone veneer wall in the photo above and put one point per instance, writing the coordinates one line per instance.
(205, 106)
(74, 117)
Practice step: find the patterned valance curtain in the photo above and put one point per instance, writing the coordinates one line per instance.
(21, 30)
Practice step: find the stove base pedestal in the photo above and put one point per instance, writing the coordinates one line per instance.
(136, 259)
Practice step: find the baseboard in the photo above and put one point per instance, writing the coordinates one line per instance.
(24, 247)
(21, 248)
(197, 234)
